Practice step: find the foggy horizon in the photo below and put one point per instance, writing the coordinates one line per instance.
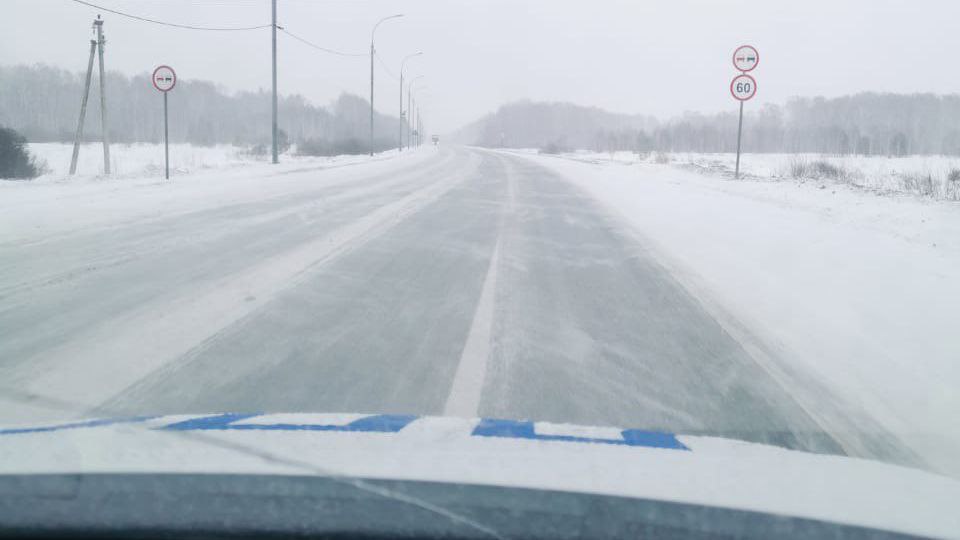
(478, 57)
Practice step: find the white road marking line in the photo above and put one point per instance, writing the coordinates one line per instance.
(464, 397)
(467, 387)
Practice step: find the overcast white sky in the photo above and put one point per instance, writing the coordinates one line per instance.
(660, 57)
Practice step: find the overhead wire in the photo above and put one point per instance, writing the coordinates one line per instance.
(384, 66)
(174, 25)
(219, 28)
(318, 47)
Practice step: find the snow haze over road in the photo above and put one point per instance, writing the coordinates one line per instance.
(480, 283)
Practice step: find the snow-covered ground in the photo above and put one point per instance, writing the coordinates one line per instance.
(142, 160)
(859, 289)
(205, 177)
(936, 177)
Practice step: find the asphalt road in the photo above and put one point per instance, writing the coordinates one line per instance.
(470, 283)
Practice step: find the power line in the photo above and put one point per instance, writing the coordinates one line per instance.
(318, 47)
(175, 25)
(384, 66)
(221, 29)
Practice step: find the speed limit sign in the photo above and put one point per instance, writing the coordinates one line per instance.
(743, 87)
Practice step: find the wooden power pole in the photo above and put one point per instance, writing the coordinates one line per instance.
(96, 45)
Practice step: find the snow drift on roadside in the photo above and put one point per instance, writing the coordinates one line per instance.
(860, 290)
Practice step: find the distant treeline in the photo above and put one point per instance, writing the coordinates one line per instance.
(866, 124)
(43, 104)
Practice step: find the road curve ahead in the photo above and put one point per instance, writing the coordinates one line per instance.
(468, 283)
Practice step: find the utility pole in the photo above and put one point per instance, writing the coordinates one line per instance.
(273, 28)
(403, 64)
(103, 97)
(83, 109)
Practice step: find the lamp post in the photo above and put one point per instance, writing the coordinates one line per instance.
(373, 52)
(409, 99)
(403, 63)
(415, 114)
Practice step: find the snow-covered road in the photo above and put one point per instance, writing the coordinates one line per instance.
(455, 281)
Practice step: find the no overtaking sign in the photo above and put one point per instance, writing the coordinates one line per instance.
(746, 58)
(164, 79)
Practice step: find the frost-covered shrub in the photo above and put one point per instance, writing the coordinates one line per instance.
(819, 169)
(15, 160)
(661, 158)
(825, 169)
(337, 147)
(953, 176)
(258, 150)
(553, 147)
(799, 168)
(921, 184)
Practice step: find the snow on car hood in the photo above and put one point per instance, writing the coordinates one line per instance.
(540, 455)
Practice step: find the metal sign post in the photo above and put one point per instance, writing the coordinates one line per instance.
(743, 87)
(164, 79)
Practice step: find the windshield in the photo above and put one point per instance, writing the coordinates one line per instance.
(679, 229)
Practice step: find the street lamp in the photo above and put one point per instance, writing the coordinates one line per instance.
(409, 110)
(418, 116)
(373, 52)
(402, 64)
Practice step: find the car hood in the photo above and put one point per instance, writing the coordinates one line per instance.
(508, 453)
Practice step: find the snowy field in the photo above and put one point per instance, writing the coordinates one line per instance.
(142, 160)
(859, 289)
(936, 177)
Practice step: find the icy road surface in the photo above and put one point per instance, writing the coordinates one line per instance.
(452, 281)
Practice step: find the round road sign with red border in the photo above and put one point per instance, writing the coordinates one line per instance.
(746, 58)
(743, 87)
(164, 78)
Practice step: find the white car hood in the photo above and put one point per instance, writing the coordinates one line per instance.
(609, 461)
